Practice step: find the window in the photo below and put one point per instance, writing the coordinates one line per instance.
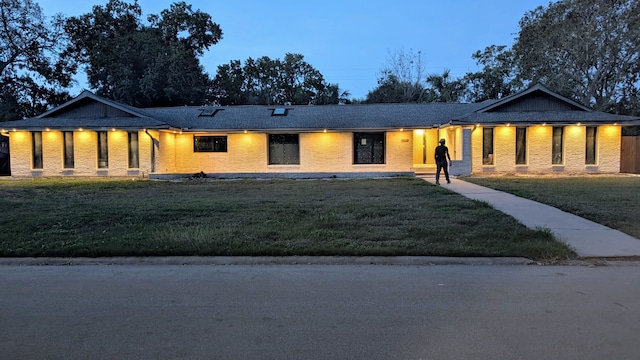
(284, 149)
(521, 146)
(67, 138)
(134, 152)
(209, 112)
(279, 112)
(487, 146)
(36, 149)
(556, 154)
(591, 145)
(103, 150)
(368, 148)
(209, 144)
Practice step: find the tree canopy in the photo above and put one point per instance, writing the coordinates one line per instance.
(145, 65)
(33, 73)
(585, 49)
(266, 81)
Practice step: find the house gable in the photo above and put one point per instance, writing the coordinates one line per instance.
(538, 101)
(537, 98)
(89, 106)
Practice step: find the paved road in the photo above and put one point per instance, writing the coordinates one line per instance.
(319, 312)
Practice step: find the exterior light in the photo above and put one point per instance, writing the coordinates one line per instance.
(578, 124)
(508, 124)
(245, 131)
(80, 129)
(544, 124)
(401, 129)
(14, 129)
(324, 131)
(113, 129)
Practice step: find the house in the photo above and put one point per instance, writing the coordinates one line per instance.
(534, 131)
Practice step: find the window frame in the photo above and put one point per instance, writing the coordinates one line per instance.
(103, 149)
(37, 161)
(377, 149)
(68, 156)
(488, 147)
(591, 146)
(521, 147)
(557, 149)
(224, 147)
(283, 149)
(133, 152)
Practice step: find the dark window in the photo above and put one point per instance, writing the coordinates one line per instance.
(67, 138)
(368, 148)
(36, 147)
(103, 150)
(284, 149)
(134, 152)
(210, 144)
(487, 146)
(521, 146)
(591, 145)
(556, 154)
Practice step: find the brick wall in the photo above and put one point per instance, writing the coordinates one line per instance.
(85, 154)
(319, 152)
(539, 150)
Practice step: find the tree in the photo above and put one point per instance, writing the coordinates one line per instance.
(391, 90)
(266, 81)
(497, 78)
(585, 49)
(145, 65)
(33, 69)
(401, 79)
(445, 89)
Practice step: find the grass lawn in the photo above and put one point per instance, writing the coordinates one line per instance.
(403, 216)
(613, 201)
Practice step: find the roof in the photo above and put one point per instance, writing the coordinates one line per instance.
(535, 105)
(304, 117)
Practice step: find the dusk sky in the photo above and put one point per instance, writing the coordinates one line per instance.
(348, 41)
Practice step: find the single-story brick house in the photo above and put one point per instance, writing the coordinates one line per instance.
(534, 131)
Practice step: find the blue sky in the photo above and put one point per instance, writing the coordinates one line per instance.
(348, 41)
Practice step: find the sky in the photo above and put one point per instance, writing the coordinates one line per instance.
(348, 41)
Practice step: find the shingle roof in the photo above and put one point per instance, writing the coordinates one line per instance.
(531, 117)
(71, 124)
(373, 116)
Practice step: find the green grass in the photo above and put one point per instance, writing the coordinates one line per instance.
(403, 216)
(613, 201)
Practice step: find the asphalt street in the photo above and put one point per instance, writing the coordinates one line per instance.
(319, 312)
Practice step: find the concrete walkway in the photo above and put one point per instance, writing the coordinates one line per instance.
(586, 237)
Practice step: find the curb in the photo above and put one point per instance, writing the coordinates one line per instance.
(276, 260)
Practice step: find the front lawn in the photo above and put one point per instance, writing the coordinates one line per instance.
(613, 201)
(403, 216)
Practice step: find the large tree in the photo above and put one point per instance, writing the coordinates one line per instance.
(266, 81)
(33, 73)
(497, 78)
(585, 49)
(402, 79)
(444, 88)
(145, 64)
